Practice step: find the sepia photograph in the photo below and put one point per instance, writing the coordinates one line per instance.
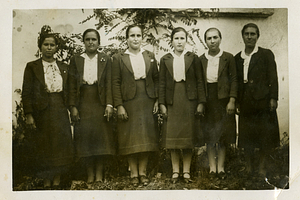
(150, 99)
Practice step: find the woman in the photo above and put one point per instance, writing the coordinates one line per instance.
(181, 95)
(258, 95)
(221, 85)
(44, 101)
(135, 88)
(90, 102)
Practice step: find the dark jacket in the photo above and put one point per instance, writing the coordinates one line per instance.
(227, 78)
(123, 82)
(262, 75)
(76, 79)
(34, 93)
(194, 79)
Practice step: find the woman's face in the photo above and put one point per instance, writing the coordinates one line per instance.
(250, 37)
(48, 47)
(91, 42)
(179, 41)
(135, 38)
(213, 40)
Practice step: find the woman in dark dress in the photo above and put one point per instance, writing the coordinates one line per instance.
(219, 72)
(258, 95)
(135, 89)
(91, 106)
(181, 95)
(44, 102)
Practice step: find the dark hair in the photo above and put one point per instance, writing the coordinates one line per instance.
(176, 30)
(43, 36)
(91, 30)
(213, 28)
(253, 26)
(132, 26)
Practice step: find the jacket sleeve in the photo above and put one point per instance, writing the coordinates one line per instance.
(200, 80)
(72, 83)
(233, 77)
(27, 90)
(116, 81)
(108, 84)
(272, 75)
(162, 82)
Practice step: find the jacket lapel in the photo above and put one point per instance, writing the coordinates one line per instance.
(101, 65)
(204, 65)
(188, 59)
(39, 71)
(255, 57)
(147, 60)
(79, 60)
(222, 64)
(127, 63)
(169, 63)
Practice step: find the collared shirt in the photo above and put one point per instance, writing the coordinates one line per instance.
(213, 67)
(53, 78)
(179, 66)
(90, 69)
(138, 64)
(247, 60)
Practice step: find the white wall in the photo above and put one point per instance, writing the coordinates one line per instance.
(274, 35)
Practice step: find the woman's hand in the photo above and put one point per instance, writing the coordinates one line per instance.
(230, 108)
(273, 105)
(163, 111)
(30, 121)
(200, 109)
(109, 110)
(74, 114)
(122, 114)
(155, 107)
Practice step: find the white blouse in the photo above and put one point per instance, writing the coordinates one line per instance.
(179, 66)
(90, 69)
(53, 78)
(213, 67)
(138, 64)
(247, 60)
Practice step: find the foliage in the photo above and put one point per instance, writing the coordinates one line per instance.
(157, 24)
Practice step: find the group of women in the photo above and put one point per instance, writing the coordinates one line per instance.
(191, 93)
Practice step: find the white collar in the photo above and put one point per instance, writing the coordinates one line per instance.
(85, 56)
(243, 54)
(209, 57)
(132, 54)
(182, 54)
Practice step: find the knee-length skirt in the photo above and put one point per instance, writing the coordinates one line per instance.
(52, 142)
(218, 125)
(140, 132)
(179, 128)
(93, 135)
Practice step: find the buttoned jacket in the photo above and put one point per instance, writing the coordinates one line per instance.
(262, 75)
(123, 81)
(75, 80)
(227, 75)
(34, 93)
(194, 79)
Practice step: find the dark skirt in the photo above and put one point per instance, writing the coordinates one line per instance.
(219, 127)
(179, 128)
(139, 133)
(53, 138)
(258, 126)
(93, 135)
